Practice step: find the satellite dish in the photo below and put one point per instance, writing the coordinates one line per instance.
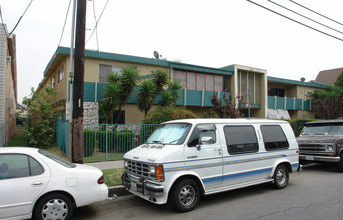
(156, 55)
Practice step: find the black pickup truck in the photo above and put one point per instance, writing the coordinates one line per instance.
(322, 141)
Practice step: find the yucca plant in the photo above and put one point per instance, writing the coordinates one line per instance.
(146, 95)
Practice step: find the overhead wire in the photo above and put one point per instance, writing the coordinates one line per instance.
(305, 17)
(65, 21)
(20, 18)
(96, 29)
(96, 24)
(315, 12)
(295, 21)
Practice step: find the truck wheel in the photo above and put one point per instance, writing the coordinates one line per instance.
(340, 163)
(281, 177)
(53, 206)
(185, 195)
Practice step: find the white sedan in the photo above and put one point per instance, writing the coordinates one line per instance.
(37, 184)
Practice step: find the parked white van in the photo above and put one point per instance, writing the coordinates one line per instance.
(185, 159)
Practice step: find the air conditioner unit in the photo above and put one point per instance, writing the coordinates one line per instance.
(308, 92)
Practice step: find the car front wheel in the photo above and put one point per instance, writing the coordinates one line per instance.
(185, 195)
(54, 206)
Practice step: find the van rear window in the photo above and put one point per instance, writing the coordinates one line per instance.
(240, 139)
(274, 138)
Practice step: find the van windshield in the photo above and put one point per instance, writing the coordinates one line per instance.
(323, 129)
(169, 134)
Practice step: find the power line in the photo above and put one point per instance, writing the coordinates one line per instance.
(96, 24)
(21, 17)
(65, 21)
(295, 21)
(96, 29)
(305, 17)
(316, 12)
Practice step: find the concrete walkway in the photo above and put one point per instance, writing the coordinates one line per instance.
(108, 164)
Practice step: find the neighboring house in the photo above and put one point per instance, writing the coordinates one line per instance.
(8, 85)
(329, 76)
(199, 83)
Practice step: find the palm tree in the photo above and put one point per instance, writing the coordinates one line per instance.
(171, 95)
(127, 83)
(146, 95)
(160, 78)
(111, 97)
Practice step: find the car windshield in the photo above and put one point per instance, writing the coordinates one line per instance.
(169, 134)
(323, 129)
(57, 159)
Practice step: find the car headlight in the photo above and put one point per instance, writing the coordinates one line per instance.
(125, 164)
(152, 170)
(157, 171)
(330, 148)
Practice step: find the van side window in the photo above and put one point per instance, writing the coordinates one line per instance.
(202, 130)
(240, 139)
(274, 138)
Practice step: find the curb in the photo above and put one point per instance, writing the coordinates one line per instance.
(118, 191)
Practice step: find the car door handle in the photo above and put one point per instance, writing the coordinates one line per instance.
(37, 184)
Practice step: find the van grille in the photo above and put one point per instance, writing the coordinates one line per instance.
(313, 148)
(139, 169)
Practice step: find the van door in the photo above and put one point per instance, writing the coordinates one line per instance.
(242, 162)
(203, 155)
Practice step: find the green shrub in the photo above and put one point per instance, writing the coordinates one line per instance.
(117, 142)
(163, 114)
(89, 142)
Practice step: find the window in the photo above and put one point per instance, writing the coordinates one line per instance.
(249, 82)
(274, 138)
(105, 70)
(18, 165)
(53, 82)
(60, 74)
(276, 92)
(202, 130)
(121, 118)
(240, 139)
(169, 134)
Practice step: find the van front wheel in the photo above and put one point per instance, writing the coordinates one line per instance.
(281, 177)
(185, 195)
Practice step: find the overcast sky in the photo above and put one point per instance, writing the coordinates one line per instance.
(212, 33)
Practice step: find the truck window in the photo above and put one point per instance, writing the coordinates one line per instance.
(274, 138)
(202, 130)
(240, 139)
(169, 134)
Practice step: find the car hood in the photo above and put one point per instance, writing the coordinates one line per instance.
(153, 153)
(309, 139)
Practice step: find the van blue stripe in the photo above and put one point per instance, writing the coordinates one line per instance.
(236, 175)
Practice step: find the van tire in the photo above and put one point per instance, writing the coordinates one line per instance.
(185, 195)
(281, 177)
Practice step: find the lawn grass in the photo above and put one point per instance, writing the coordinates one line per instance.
(18, 141)
(113, 176)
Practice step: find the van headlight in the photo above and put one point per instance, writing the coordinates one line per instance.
(157, 172)
(125, 164)
(330, 148)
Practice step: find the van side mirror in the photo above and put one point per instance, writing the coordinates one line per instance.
(206, 140)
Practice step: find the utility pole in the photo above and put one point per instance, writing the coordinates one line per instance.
(77, 132)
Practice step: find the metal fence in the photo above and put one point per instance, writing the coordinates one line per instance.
(103, 142)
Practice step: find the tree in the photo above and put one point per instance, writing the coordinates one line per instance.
(146, 95)
(226, 108)
(162, 114)
(40, 131)
(328, 104)
(170, 95)
(127, 83)
(111, 97)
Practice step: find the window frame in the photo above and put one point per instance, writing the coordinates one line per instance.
(266, 144)
(241, 152)
(194, 140)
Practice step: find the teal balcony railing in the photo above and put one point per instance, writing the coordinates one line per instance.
(289, 103)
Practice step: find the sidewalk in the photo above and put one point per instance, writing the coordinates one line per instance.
(112, 190)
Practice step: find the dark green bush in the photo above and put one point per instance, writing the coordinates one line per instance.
(89, 142)
(117, 142)
(163, 114)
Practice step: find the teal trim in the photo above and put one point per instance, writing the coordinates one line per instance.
(100, 92)
(298, 104)
(295, 82)
(194, 98)
(135, 59)
(280, 103)
(207, 98)
(89, 92)
(307, 105)
(145, 77)
(290, 104)
(255, 106)
(62, 136)
(271, 102)
(181, 100)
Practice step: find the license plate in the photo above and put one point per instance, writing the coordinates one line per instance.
(133, 186)
(309, 157)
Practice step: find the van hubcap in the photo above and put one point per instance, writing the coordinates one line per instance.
(187, 195)
(281, 177)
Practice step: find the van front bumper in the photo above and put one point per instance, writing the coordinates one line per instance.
(142, 186)
(317, 158)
